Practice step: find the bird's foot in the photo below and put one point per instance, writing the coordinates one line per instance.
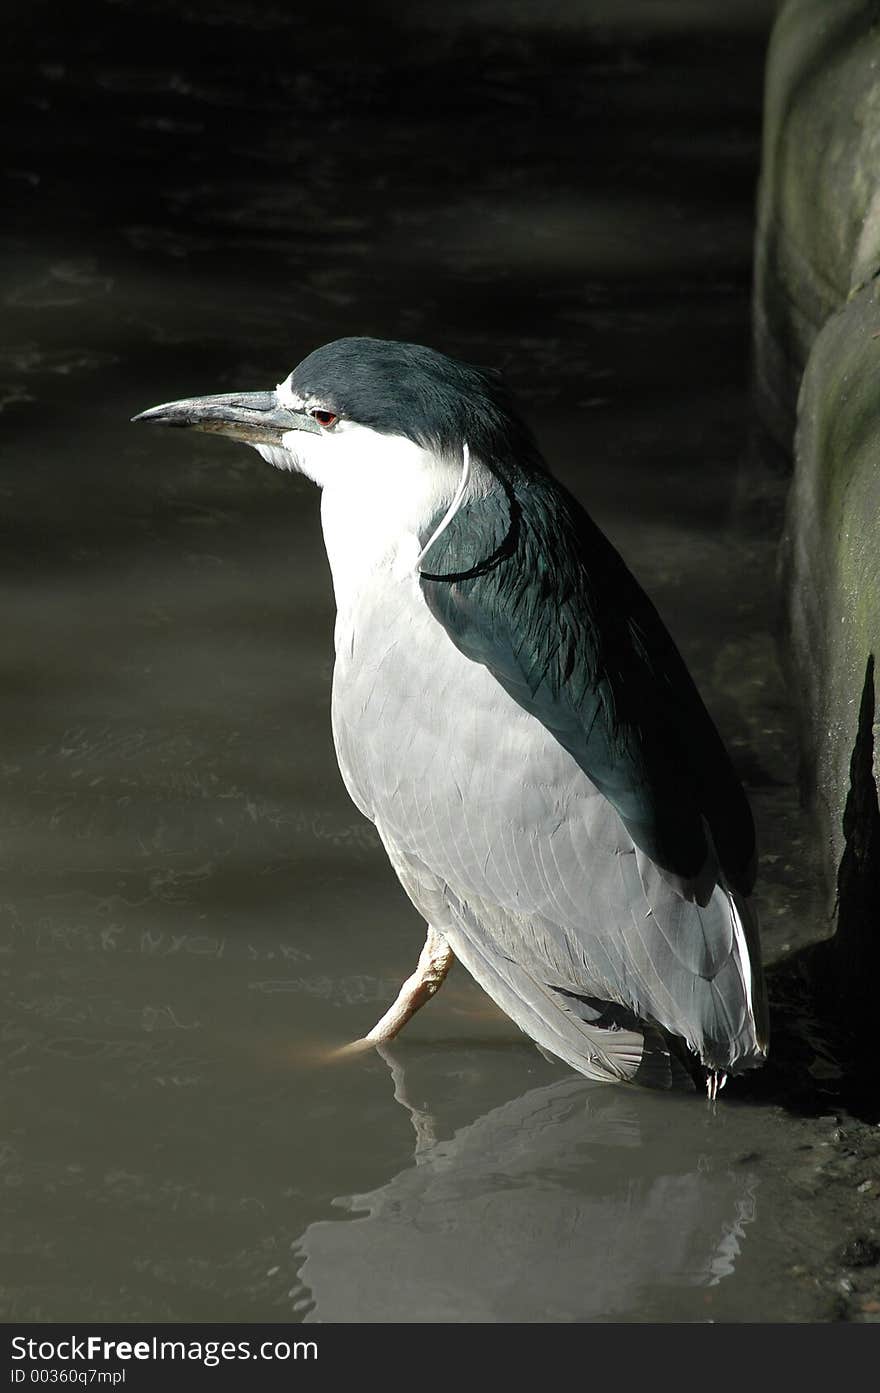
(435, 960)
(715, 1081)
(353, 1047)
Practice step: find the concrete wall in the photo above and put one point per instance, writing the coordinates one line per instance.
(817, 362)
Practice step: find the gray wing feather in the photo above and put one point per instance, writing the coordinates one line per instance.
(516, 853)
(560, 1027)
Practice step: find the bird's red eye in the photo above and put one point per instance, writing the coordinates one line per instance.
(325, 418)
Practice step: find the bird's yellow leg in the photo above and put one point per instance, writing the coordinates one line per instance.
(434, 962)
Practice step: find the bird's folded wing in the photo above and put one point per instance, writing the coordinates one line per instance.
(564, 1024)
(565, 629)
(538, 876)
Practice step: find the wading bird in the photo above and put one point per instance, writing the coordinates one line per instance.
(510, 711)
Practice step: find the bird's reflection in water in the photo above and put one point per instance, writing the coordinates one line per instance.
(575, 1201)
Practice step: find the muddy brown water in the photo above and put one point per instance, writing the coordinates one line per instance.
(192, 915)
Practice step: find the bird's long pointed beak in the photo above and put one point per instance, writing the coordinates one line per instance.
(255, 417)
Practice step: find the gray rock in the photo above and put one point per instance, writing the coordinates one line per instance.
(818, 234)
(832, 547)
(817, 366)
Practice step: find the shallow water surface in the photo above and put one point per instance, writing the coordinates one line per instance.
(193, 917)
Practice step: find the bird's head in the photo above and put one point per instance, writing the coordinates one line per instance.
(363, 411)
(397, 436)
